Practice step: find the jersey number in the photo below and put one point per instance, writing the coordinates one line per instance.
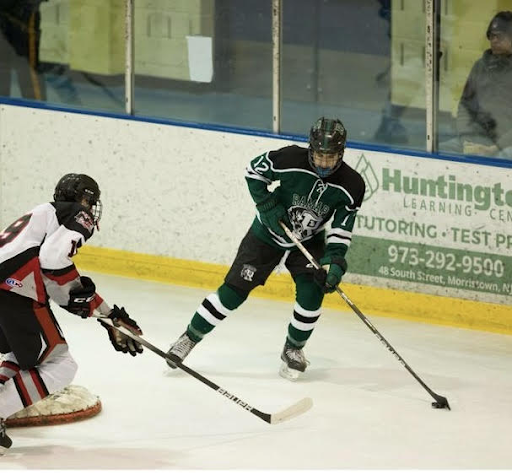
(74, 248)
(14, 229)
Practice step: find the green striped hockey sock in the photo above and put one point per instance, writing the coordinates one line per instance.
(214, 308)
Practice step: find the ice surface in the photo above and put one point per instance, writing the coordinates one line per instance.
(369, 412)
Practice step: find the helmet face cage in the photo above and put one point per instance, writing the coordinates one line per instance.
(327, 136)
(79, 187)
(96, 211)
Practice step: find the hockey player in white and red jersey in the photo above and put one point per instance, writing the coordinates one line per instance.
(36, 267)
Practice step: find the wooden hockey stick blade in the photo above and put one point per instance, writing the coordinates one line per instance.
(297, 409)
(286, 414)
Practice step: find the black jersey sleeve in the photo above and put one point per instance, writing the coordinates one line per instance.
(339, 237)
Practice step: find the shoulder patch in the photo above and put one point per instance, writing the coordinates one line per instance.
(75, 217)
(85, 219)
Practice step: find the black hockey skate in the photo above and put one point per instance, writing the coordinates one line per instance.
(294, 362)
(180, 349)
(5, 440)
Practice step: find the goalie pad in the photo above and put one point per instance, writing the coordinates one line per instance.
(71, 404)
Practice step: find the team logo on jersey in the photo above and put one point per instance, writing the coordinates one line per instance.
(13, 282)
(248, 272)
(85, 220)
(304, 221)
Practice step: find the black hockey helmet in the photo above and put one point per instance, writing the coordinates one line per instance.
(327, 137)
(78, 187)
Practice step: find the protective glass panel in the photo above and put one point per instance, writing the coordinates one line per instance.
(359, 60)
(475, 115)
(64, 52)
(207, 61)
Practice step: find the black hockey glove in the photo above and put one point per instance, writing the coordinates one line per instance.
(328, 277)
(120, 341)
(81, 299)
(271, 212)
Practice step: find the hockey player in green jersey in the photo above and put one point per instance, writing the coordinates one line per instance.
(316, 186)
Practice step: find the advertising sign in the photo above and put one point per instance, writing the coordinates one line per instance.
(434, 222)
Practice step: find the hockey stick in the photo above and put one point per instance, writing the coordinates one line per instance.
(294, 410)
(441, 401)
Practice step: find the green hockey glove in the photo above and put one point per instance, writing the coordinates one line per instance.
(329, 275)
(271, 212)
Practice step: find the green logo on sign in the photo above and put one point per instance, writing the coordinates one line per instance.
(371, 181)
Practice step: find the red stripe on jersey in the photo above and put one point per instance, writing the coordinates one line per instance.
(10, 365)
(22, 391)
(49, 328)
(31, 267)
(63, 278)
(3, 378)
(39, 384)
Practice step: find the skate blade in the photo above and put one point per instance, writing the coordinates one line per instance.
(289, 373)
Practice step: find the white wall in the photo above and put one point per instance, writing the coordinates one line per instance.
(166, 190)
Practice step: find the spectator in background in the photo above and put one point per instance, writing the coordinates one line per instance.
(484, 115)
(20, 35)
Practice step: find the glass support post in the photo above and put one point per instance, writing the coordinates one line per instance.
(432, 53)
(129, 51)
(277, 43)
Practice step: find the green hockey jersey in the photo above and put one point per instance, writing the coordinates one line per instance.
(310, 201)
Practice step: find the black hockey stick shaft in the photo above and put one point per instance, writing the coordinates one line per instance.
(292, 411)
(441, 400)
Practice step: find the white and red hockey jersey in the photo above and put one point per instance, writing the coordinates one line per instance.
(36, 252)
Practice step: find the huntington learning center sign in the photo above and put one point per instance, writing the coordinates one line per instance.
(433, 224)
